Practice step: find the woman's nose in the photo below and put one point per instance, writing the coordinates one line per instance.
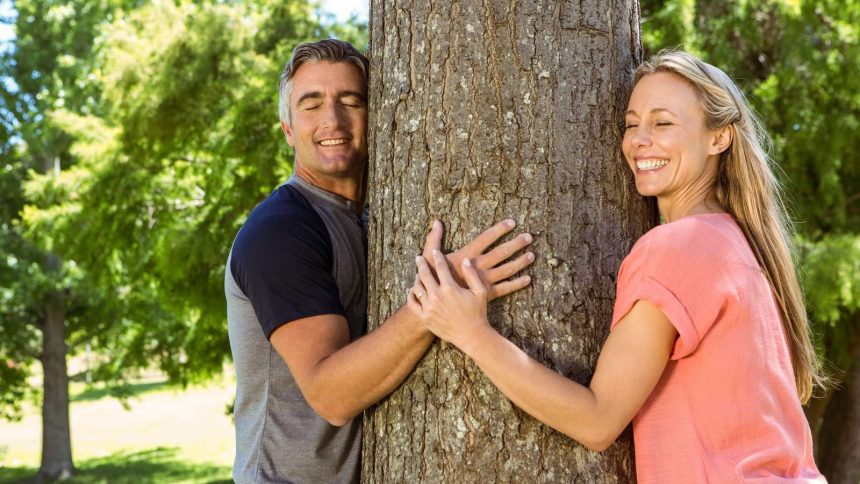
(640, 136)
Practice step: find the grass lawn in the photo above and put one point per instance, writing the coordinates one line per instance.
(166, 435)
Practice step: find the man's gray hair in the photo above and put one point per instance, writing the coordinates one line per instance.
(329, 50)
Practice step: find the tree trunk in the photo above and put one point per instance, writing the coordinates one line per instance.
(56, 439)
(838, 451)
(482, 110)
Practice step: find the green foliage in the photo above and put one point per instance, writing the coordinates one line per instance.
(830, 268)
(797, 61)
(46, 69)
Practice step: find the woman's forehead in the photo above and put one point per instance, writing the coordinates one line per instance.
(662, 92)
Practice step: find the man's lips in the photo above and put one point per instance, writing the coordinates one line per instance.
(333, 141)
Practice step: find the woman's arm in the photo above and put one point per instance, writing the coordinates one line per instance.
(628, 369)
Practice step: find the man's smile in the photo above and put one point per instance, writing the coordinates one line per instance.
(333, 141)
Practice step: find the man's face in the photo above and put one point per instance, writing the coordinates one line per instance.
(328, 122)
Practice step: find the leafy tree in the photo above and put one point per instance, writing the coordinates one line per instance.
(44, 70)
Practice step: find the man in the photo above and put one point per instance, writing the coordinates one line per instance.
(296, 287)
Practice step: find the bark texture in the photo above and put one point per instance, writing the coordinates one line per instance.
(56, 438)
(482, 110)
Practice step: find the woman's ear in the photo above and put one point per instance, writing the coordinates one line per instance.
(722, 140)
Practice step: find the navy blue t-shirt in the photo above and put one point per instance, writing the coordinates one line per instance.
(282, 260)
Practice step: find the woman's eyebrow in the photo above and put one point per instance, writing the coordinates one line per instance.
(655, 110)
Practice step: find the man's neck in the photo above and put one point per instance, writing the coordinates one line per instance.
(348, 187)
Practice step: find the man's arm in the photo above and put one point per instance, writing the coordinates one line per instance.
(340, 379)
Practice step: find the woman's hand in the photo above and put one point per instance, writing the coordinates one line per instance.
(450, 311)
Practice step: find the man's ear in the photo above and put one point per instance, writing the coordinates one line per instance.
(722, 140)
(288, 132)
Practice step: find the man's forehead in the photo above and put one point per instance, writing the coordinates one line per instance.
(325, 73)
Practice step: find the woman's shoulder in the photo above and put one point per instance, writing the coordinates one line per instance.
(694, 228)
(704, 236)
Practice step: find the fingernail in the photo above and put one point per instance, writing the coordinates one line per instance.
(528, 279)
(510, 223)
(436, 252)
(527, 237)
(437, 224)
(417, 259)
(467, 262)
(530, 256)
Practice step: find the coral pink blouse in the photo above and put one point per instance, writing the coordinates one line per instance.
(726, 408)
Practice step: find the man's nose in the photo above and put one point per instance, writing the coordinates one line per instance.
(333, 116)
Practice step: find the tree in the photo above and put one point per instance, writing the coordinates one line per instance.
(42, 72)
(480, 111)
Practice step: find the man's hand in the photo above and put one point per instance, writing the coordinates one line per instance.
(494, 267)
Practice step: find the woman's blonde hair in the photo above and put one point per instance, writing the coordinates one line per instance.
(747, 188)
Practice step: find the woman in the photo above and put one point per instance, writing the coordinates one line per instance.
(709, 353)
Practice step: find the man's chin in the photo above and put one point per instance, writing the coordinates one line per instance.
(344, 164)
(344, 170)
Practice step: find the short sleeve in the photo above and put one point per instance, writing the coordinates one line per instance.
(282, 262)
(676, 271)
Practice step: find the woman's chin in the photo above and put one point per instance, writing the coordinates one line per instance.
(647, 190)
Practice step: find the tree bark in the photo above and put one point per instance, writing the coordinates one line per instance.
(482, 110)
(838, 451)
(56, 437)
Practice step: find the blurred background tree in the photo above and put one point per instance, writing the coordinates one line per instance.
(798, 62)
(135, 136)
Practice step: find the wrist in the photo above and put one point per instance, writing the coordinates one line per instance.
(413, 323)
(471, 342)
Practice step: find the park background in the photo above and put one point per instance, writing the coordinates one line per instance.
(135, 136)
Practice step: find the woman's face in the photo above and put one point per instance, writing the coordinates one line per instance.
(666, 142)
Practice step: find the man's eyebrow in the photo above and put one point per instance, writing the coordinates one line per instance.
(655, 110)
(316, 95)
(359, 95)
(309, 95)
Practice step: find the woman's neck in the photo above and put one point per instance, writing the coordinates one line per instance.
(672, 210)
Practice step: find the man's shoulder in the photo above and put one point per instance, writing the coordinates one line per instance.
(280, 222)
(286, 213)
(285, 204)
